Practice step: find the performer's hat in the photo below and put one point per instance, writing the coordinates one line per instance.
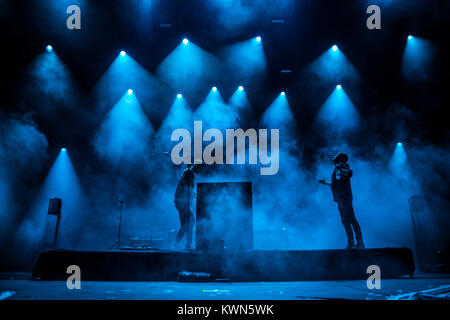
(340, 157)
(197, 164)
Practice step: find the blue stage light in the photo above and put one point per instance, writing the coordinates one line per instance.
(63, 149)
(278, 114)
(283, 93)
(258, 38)
(49, 48)
(338, 108)
(334, 48)
(185, 41)
(241, 88)
(410, 37)
(123, 53)
(399, 144)
(130, 92)
(214, 89)
(179, 96)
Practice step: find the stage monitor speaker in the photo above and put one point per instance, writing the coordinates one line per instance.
(52, 223)
(54, 206)
(224, 216)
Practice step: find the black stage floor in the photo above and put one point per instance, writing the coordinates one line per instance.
(250, 265)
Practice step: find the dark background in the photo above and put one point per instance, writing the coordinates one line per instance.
(396, 110)
(309, 30)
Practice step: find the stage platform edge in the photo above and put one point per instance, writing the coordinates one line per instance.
(242, 266)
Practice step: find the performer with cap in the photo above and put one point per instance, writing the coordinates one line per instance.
(342, 194)
(184, 198)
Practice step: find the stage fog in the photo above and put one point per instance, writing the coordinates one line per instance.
(91, 130)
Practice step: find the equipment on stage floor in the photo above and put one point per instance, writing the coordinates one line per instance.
(224, 216)
(52, 226)
(142, 244)
(118, 243)
(187, 276)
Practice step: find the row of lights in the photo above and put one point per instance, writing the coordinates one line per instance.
(49, 48)
(240, 88)
(185, 41)
(214, 89)
(399, 144)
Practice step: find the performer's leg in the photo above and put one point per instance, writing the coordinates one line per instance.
(343, 210)
(182, 230)
(357, 228)
(189, 229)
(180, 233)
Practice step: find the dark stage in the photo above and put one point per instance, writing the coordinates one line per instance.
(287, 146)
(243, 266)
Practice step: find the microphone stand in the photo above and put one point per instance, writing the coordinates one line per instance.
(118, 243)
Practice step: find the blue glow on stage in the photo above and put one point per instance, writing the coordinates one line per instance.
(50, 85)
(97, 116)
(190, 69)
(125, 133)
(179, 116)
(247, 60)
(278, 114)
(61, 182)
(402, 171)
(338, 114)
(417, 59)
(239, 102)
(333, 66)
(126, 74)
(215, 113)
(399, 157)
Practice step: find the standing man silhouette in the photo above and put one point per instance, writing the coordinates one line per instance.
(184, 198)
(342, 194)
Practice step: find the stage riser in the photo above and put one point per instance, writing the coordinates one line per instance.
(251, 265)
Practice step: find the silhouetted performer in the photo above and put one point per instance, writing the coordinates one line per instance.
(342, 194)
(184, 197)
